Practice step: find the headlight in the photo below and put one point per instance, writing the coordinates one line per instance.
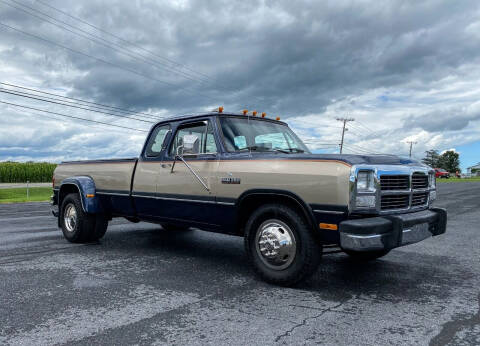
(365, 197)
(365, 201)
(365, 181)
(431, 180)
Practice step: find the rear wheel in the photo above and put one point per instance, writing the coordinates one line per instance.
(280, 245)
(366, 255)
(78, 226)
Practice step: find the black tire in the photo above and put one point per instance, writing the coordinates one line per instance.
(307, 252)
(86, 228)
(174, 228)
(101, 225)
(366, 255)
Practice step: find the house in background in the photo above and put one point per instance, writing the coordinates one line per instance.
(474, 170)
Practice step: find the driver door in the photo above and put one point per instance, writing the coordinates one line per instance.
(182, 195)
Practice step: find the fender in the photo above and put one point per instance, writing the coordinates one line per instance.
(86, 189)
(284, 193)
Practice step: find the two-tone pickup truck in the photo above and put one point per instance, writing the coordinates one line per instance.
(253, 177)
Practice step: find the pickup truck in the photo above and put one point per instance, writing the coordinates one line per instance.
(251, 176)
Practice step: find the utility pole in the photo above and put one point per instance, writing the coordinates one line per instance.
(411, 145)
(345, 121)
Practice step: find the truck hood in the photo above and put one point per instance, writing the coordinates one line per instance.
(350, 159)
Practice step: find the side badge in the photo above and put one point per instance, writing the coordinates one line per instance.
(231, 180)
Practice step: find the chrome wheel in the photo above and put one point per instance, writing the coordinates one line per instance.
(70, 217)
(275, 244)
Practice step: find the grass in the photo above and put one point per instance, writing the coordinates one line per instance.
(456, 180)
(19, 195)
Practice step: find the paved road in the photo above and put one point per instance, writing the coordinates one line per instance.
(142, 285)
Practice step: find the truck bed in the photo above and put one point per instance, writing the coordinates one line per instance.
(113, 175)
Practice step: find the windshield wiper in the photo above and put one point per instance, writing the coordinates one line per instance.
(297, 150)
(284, 151)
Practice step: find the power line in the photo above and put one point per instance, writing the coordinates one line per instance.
(85, 54)
(125, 41)
(96, 105)
(26, 95)
(97, 39)
(73, 117)
(344, 120)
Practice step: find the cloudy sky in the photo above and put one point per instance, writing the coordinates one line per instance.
(404, 70)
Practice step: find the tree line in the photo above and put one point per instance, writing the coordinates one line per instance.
(449, 160)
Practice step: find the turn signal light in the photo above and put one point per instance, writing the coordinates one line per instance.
(330, 226)
(245, 111)
(89, 195)
(264, 115)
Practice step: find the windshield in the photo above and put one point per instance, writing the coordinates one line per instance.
(243, 134)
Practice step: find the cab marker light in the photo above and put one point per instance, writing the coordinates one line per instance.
(277, 118)
(254, 113)
(330, 226)
(90, 195)
(245, 111)
(264, 115)
(220, 109)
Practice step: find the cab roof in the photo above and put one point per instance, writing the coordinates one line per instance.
(204, 114)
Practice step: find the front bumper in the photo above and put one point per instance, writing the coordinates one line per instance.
(391, 231)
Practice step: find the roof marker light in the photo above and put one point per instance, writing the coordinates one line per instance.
(245, 111)
(254, 113)
(277, 118)
(264, 114)
(220, 109)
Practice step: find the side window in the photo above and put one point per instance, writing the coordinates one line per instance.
(202, 131)
(155, 143)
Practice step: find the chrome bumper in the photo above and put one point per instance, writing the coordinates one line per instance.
(388, 232)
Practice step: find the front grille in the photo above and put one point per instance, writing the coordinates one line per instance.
(394, 202)
(394, 182)
(419, 181)
(419, 199)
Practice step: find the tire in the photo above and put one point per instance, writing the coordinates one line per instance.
(174, 228)
(366, 255)
(278, 224)
(78, 226)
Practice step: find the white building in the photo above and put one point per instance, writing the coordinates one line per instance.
(475, 169)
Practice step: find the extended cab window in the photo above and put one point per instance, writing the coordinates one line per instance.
(205, 138)
(156, 141)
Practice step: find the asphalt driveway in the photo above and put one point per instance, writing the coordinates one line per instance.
(143, 285)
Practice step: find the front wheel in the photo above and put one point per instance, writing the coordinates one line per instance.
(280, 245)
(366, 255)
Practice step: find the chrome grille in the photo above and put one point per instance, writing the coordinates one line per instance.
(394, 182)
(394, 202)
(419, 199)
(419, 181)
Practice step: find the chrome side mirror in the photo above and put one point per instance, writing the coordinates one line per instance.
(191, 145)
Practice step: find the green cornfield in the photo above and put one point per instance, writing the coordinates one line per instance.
(21, 172)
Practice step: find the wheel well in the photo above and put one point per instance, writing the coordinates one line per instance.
(64, 191)
(252, 202)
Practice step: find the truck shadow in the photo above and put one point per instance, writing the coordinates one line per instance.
(397, 277)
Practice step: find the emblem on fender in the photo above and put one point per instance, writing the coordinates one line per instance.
(231, 180)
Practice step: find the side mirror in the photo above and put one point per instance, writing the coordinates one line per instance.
(191, 145)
